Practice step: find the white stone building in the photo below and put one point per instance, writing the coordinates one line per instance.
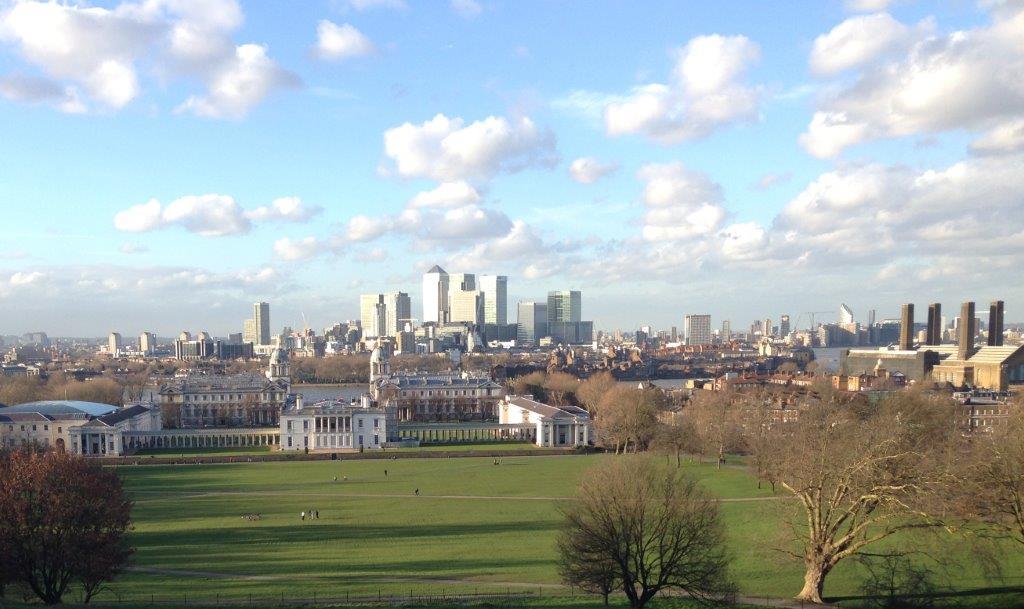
(333, 426)
(557, 426)
(85, 428)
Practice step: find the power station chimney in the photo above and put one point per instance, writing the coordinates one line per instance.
(965, 331)
(907, 327)
(995, 324)
(934, 332)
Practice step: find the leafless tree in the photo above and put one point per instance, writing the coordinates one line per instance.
(994, 479)
(62, 521)
(657, 526)
(591, 391)
(716, 415)
(861, 479)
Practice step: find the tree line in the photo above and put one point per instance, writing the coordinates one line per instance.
(860, 475)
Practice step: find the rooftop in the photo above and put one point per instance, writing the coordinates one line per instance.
(58, 408)
(546, 410)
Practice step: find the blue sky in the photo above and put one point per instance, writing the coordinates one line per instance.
(746, 159)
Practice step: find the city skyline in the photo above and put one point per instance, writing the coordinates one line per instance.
(717, 162)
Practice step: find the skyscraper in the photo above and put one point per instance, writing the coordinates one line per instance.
(845, 314)
(726, 330)
(147, 343)
(435, 296)
(565, 306)
(495, 290)
(249, 333)
(114, 344)
(766, 327)
(261, 317)
(467, 306)
(698, 329)
(384, 314)
(784, 326)
(531, 322)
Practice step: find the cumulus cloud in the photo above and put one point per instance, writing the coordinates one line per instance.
(296, 249)
(587, 170)
(285, 209)
(35, 90)
(1005, 137)
(447, 194)
(707, 91)
(339, 42)
(447, 149)
(92, 55)
(365, 5)
(209, 215)
(968, 79)
(239, 84)
(681, 204)
(769, 180)
(857, 41)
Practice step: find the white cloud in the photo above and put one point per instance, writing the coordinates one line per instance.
(240, 84)
(34, 90)
(210, 215)
(296, 249)
(706, 92)
(340, 42)
(26, 278)
(1005, 137)
(867, 6)
(681, 204)
(769, 180)
(365, 228)
(447, 149)
(447, 194)
(467, 9)
(284, 209)
(857, 41)
(587, 170)
(968, 79)
(94, 54)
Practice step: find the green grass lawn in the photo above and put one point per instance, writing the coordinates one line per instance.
(476, 526)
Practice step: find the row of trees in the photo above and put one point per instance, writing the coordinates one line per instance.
(859, 474)
(20, 390)
(62, 525)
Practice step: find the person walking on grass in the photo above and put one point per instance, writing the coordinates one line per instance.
(385, 473)
(302, 516)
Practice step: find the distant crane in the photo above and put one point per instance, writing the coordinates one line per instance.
(810, 315)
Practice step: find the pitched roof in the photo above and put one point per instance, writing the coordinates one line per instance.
(123, 414)
(437, 269)
(57, 408)
(546, 410)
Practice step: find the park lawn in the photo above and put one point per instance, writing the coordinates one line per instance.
(475, 526)
(480, 446)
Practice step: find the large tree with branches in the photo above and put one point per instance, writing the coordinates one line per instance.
(647, 527)
(863, 477)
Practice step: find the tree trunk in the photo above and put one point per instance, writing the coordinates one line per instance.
(814, 582)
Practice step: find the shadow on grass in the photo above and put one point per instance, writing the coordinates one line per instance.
(995, 597)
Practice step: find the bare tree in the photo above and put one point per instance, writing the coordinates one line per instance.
(717, 418)
(62, 520)
(994, 480)
(660, 530)
(627, 418)
(677, 437)
(585, 567)
(591, 391)
(860, 480)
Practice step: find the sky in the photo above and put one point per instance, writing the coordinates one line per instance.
(166, 163)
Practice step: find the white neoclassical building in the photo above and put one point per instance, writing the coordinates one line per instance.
(333, 426)
(84, 428)
(557, 426)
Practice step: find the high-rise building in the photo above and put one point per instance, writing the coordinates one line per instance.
(698, 329)
(114, 344)
(907, 327)
(726, 330)
(249, 332)
(147, 343)
(845, 315)
(495, 290)
(384, 314)
(467, 306)
(995, 323)
(565, 306)
(435, 296)
(261, 318)
(766, 327)
(531, 322)
(784, 326)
